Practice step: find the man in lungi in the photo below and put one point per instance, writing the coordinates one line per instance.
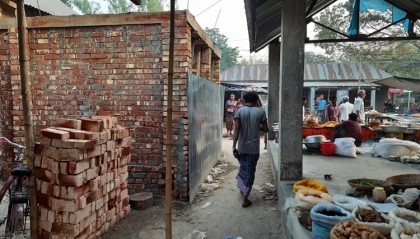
(249, 121)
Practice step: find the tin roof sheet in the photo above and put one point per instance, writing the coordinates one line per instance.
(53, 7)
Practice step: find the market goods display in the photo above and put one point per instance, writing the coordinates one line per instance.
(405, 231)
(348, 203)
(405, 181)
(405, 216)
(309, 184)
(347, 230)
(330, 124)
(324, 216)
(375, 124)
(415, 115)
(367, 185)
(308, 198)
(311, 123)
(368, 216)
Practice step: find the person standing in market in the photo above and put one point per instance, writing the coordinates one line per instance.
(359, 106)
(304, 101)
(321, 104)
(230, 108)
(239, 104)
(413, 109)
(332, 112)
(249, 121)
(345, 109)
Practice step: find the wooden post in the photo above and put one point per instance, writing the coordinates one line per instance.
(168, 183)
(25, 85)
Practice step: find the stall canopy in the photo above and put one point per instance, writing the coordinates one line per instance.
(401, 83)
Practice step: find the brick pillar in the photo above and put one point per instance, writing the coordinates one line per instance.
(81, 173)
(216, 71)
(206, 62)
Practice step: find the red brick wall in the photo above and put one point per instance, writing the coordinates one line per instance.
(110, 70)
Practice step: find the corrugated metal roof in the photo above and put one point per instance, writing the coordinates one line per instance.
(53, 7)
(264, 17)
(313, 72)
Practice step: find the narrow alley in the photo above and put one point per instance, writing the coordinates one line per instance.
(223, 217)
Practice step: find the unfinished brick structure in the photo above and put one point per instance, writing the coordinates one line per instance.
(81, 173)
(111, 65)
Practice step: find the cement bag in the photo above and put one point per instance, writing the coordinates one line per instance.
(345, 147)
(324, 217)
(309, 184)
(348, 203)
(384, 227)
(405, 231)
(306, 199)
(405, 216)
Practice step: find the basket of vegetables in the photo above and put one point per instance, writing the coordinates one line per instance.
(347, 230)
(367, 185)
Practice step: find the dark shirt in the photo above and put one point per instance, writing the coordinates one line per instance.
(353, 130)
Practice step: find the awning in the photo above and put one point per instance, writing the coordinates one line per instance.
(401, 83)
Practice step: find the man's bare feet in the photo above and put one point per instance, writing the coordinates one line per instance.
(246, 203)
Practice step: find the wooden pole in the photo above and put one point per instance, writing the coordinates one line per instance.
(25, 85)
(168, 183)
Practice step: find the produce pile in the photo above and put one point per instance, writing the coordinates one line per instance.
(375, 124)
(311, 123)
(331, 124)
(353, 230)
(366, 215)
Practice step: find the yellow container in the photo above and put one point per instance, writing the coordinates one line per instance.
(309, 184)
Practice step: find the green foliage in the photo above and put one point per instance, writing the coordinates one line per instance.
(121, 6)
(401, 58)
(152, 5)
(67, 2)
(312, 57)
(229, 54)
(87, 7)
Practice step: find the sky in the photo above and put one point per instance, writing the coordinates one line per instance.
(229, 16)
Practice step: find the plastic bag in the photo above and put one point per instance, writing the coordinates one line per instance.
(309, 184)
(383, 228)
(345, 147)
(324, 216)
(306, 199)
(348, 203)
(410, 195)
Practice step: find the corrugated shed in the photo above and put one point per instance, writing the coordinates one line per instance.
(53, 7)
(313, 72)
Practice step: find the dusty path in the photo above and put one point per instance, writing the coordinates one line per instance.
(225, 215)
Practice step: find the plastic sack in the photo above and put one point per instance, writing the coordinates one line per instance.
(405, 231)
(383, 228)
(309, 184)
(405, 216)
(306, 199)
(396, 199)
(324, 217)
(348, 203)
(410, 195)
(345, 147)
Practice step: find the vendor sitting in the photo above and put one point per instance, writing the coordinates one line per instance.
(413, 109)
(349, 128)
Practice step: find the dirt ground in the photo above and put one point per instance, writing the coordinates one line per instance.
(223, 217)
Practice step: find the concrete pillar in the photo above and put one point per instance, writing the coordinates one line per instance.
(373, 98)
(312, 99)
(293, 33)
(273, 86)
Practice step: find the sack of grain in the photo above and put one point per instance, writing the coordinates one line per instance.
(370, 217)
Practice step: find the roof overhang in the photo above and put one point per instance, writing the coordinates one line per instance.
(401, 83)
(264, 18)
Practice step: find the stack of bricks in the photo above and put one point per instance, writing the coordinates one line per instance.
(81, 174)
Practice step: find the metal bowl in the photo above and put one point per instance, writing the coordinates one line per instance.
(314, 141)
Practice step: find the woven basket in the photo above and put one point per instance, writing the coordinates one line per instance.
(356, 183)
(405, 181)
(332, 236)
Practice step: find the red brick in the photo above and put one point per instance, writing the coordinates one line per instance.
(63, 205)
(69, 123)
(78, 167)
(92, 125)
(66, 229)
(72, 180)
(55, 134)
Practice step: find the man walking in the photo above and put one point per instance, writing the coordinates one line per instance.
(359, 106)
(248, 122)
(345, 109)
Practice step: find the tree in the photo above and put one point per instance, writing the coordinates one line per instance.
(399, 58)
(312, 57)
(121, 6)
(229, 54)
(152, 5)
(87, 7)
(67, 2)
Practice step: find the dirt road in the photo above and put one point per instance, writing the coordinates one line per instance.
(223, 217)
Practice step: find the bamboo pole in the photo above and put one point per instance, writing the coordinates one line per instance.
(27, 112)
(168, 183)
